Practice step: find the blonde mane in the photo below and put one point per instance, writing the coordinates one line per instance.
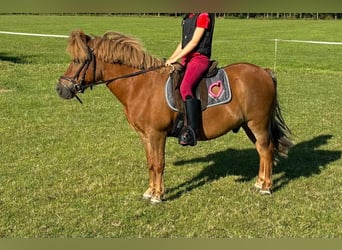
(113, 47)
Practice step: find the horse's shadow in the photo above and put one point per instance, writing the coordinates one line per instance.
(305, 159)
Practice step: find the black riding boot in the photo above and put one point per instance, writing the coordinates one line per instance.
(193, 116)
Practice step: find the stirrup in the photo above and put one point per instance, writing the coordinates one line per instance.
(187, 137)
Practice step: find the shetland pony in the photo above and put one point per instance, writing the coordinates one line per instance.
(137, 79)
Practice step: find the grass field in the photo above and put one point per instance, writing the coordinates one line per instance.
(71, 170)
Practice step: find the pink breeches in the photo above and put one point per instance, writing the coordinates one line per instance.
(195, 69)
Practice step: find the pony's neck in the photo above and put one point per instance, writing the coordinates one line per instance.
(135, 89)
(121, 88)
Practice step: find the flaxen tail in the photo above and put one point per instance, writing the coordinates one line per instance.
(280, 133)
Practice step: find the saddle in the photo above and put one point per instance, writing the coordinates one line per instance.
(212, 90)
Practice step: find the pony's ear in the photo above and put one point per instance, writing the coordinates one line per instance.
(88, 38)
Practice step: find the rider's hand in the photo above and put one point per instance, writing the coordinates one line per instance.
(170, 61)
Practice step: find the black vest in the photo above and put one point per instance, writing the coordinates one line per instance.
(189, 26)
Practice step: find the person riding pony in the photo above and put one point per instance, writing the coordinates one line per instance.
(194, 50)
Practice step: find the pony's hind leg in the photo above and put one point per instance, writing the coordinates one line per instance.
(264, 146)
(264, 181)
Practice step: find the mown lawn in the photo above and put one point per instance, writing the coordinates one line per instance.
(71, 170)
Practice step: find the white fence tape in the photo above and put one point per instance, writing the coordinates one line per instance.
(296, 41)
(302, 41)
(31, 34)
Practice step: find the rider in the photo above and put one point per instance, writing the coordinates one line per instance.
(195, 50)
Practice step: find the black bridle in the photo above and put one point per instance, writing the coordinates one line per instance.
(78, 84)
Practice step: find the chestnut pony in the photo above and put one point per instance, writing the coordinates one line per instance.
(138, 80)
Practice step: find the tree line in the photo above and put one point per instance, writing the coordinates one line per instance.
(313, 16)
(317, 16)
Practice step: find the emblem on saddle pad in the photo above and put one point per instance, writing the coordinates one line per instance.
(213, 90)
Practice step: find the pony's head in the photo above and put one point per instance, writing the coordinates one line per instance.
(88, 52)
(77, 75)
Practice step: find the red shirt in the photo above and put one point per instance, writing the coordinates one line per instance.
(203, 20)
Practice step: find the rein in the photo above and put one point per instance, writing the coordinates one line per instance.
(143, 71)
(109, 81)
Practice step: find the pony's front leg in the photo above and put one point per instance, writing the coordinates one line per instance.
(154, 191)
(155, 155)
(149, 192)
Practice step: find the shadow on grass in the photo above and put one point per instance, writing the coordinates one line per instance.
(305, 159)
(13, 59)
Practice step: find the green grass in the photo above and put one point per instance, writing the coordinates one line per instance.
(71, 170)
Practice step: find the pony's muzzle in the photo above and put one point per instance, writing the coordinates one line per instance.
(64, 90)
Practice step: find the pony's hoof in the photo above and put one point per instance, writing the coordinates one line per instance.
(258, 186)
(155, 200)
(147, 195)
(265, 192)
